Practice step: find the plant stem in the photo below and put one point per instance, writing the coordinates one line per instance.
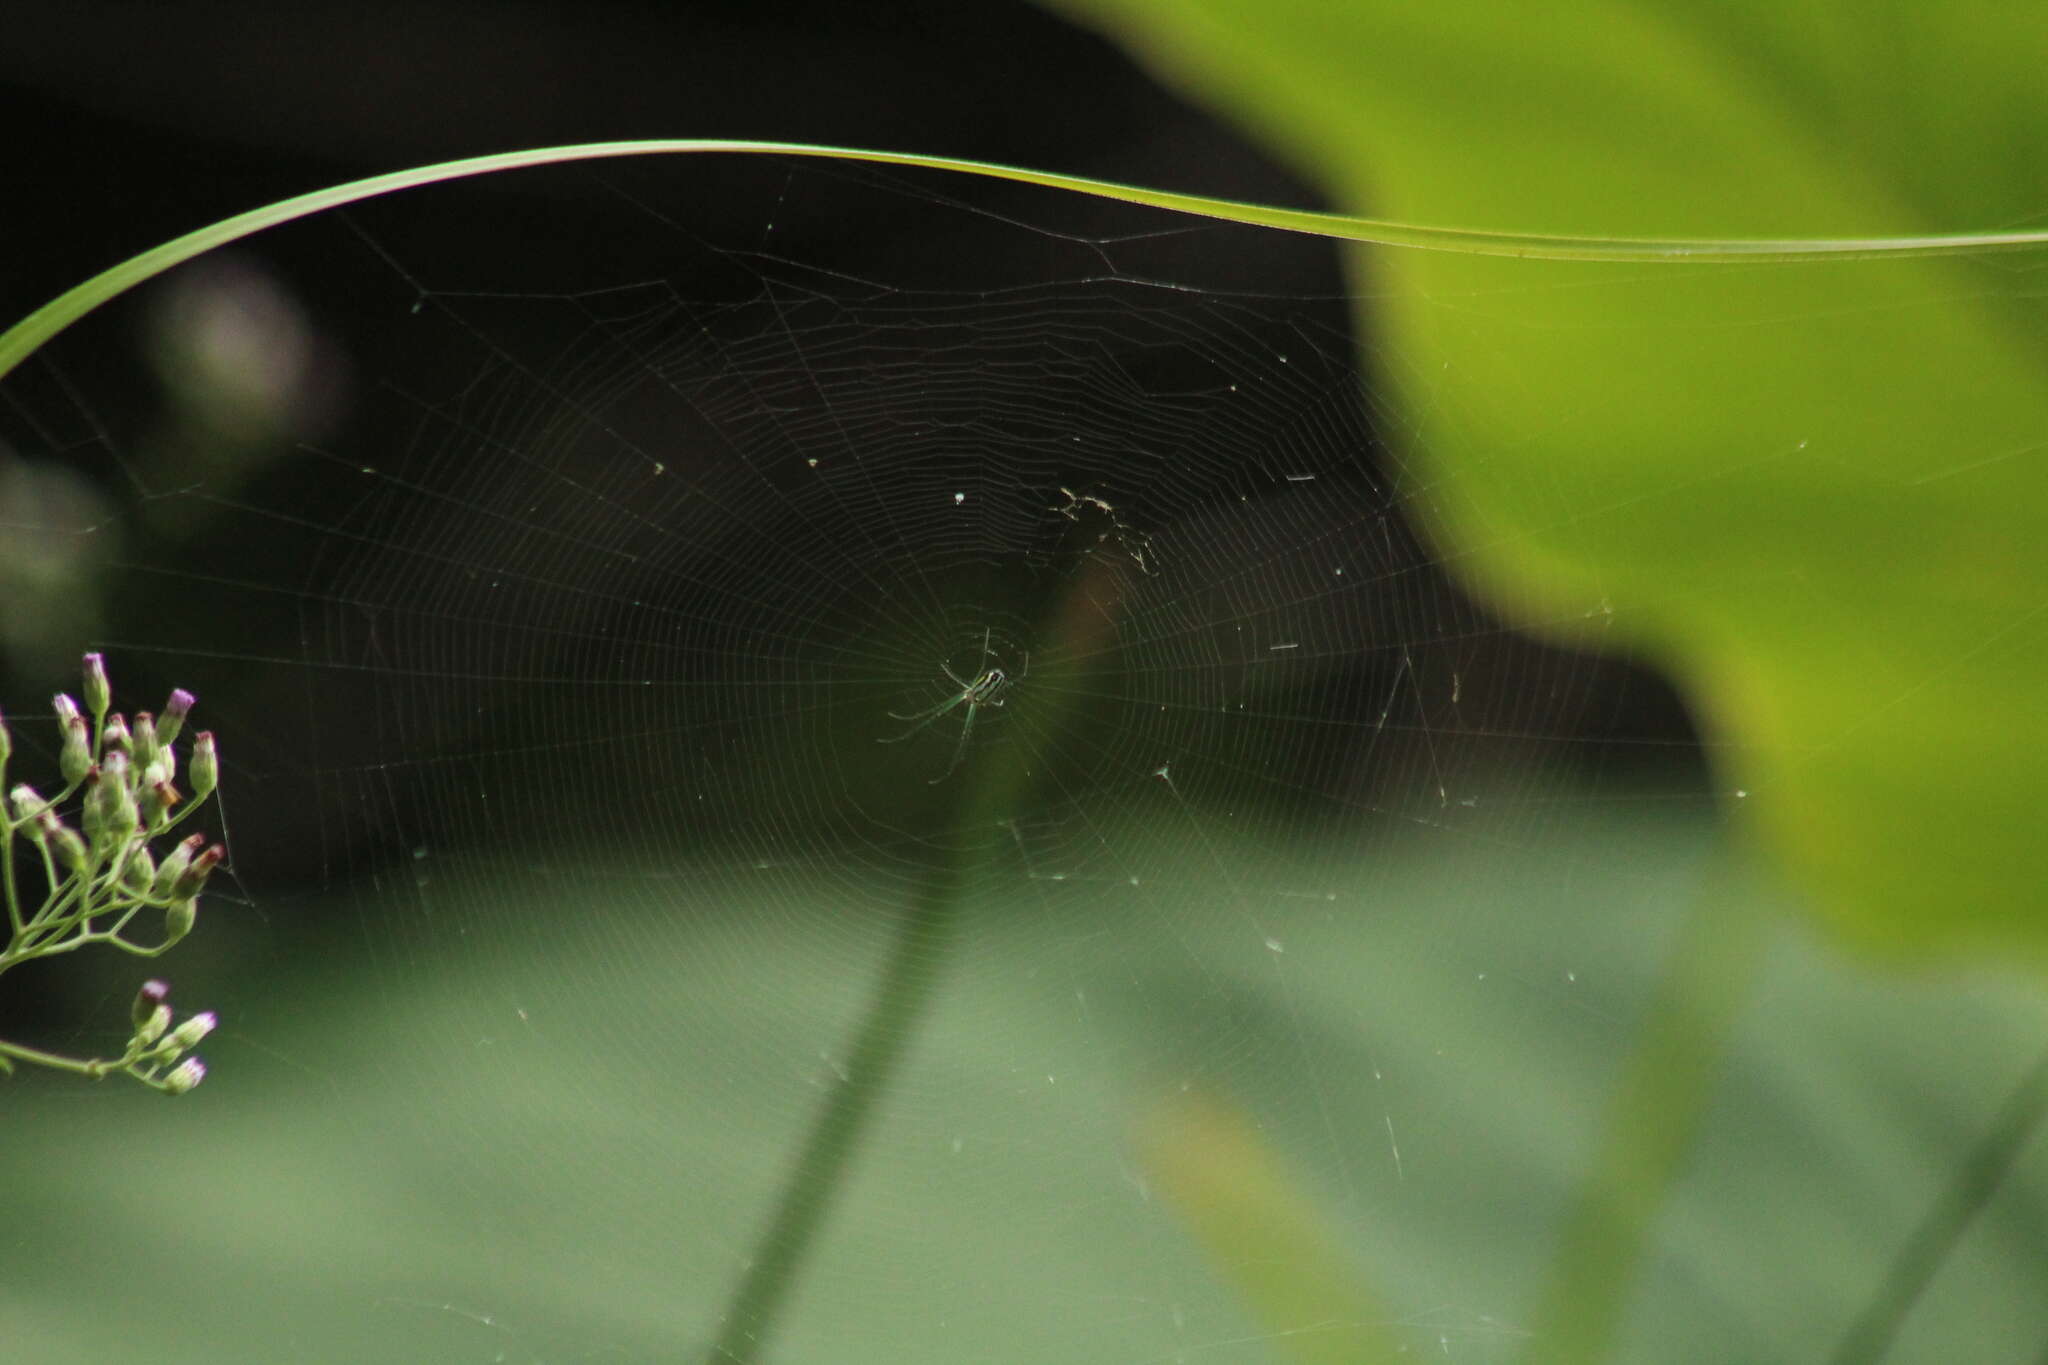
(923, 943)
(1870, 1336)
(903, 993)
(999, 781)
(94, 1068)
(15, 923)
(1655, 1110)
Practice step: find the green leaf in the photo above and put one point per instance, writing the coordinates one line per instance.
(555, 1196)
(1814, 489)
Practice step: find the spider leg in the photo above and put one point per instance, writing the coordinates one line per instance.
(923, 718)
(960, 749)
(938, 709)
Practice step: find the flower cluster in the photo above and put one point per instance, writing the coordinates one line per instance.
(103, 878)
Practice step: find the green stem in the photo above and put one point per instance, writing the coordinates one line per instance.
(902, 996)
(136, 1062)
(1870, 1337)
(94, 1068)
(999, 783)
(14, 920)
(59, 915)
(1656, 1109)
(908, 981)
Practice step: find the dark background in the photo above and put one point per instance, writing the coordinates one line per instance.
(139, 121)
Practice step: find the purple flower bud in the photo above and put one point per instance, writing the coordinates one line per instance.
(152, 994)
(75, 759)
(193, 877)
(28, 803)
(172, 718)
(204, 769)
(184, 1076)
(174, 865)
(98, 696)
(66, 709)
(187, 1035)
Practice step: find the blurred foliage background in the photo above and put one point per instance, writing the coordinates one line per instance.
(1850, 583)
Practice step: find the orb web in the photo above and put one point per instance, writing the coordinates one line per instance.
(613, 602)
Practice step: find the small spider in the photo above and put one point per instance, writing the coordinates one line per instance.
(986, 688)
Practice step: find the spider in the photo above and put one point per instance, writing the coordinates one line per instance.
(986, 688)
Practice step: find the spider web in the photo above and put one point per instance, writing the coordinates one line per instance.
(564, 583)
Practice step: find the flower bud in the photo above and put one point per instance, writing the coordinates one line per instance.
(187, 1035)
(110, 810)
(92, 812)
(28, 803)
(153, 1024)
(193, 877)
(146, 745)
(174, 865)
(184, 1076)
(157, 800)
(71, 850)
(140, 871)
(204, 769)
(152, 994)
(172, 718)
(75, 759)
(98, 696)
(165, 758)
(114, 737)
(179, 919)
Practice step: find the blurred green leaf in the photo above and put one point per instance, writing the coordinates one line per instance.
(553, 1145)
(1816, 489)
(1253, 1217)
